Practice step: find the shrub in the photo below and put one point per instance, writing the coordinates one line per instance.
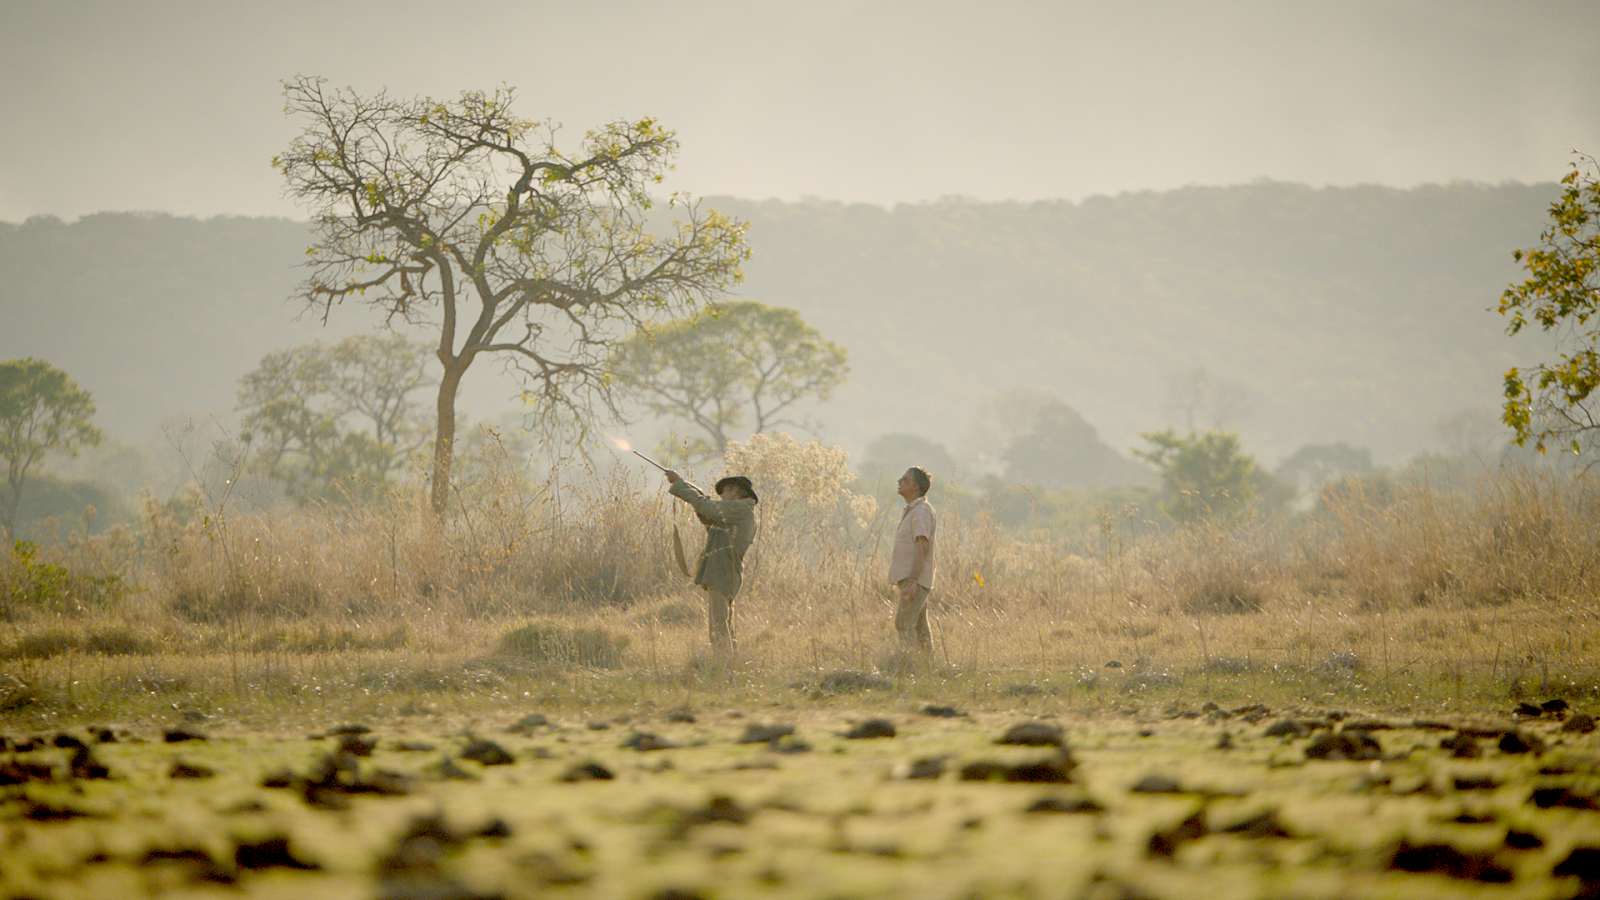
(599, 579)
(16, 694)
(427, 680)
(1344, 662)
(563, 646)
(330, 640)
(28, 582)
(157, 684)
(43, 645)
(672, 614)
(291, 600)
(1220, 572)
(1228, 665)
(118, 642)
(1223, 597)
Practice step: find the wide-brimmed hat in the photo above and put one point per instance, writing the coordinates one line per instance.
(742, 482)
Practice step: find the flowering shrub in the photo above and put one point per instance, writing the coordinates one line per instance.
(791, 474)
(809, 518)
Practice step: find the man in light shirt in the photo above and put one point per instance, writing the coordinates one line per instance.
(911, 565)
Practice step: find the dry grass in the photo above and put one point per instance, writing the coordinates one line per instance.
(1419, 593)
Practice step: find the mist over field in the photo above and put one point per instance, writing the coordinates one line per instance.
(1306, 210)
(1356, 315)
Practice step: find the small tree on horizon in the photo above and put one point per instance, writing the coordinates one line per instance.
(42, 411)
(1314, 465)
(729, 365)
(1031, 436)
(1204, 476)
(316, 413)
(891, 454)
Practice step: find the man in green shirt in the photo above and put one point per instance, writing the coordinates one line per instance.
(730, 521)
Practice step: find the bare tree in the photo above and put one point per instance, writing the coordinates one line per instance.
(1472, 433)
(461, 217)
(1201, 401)
(1000, 421)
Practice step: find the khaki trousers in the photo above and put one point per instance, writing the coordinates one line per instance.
(911, 616)
(720, 615)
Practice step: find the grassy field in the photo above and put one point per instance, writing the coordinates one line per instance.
(1415, 613)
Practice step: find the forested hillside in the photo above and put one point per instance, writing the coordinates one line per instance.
(152, 314)
(1347, 314)
(1354, 315)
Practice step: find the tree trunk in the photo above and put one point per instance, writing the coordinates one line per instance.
(13, 500)
(445, 438)
(8, 518)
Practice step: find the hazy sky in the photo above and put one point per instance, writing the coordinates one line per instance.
(176, 106)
